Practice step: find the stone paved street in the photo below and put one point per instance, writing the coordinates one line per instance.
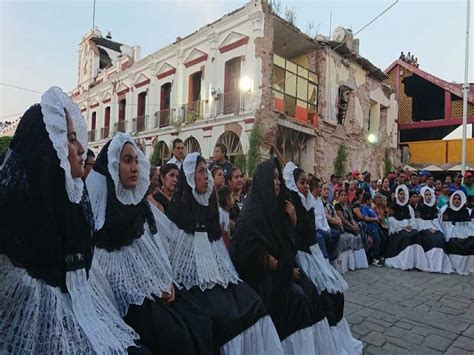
(411, 312)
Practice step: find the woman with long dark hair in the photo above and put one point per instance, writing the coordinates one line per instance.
(201, 265)
(327, 280)
(167, 184)
(137, 267)
(263, 250)
(53, 298)
(431, 233)
(458, 227)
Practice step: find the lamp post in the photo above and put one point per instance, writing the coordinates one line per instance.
(465, 91)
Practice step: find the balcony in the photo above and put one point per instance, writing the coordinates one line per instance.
(105, 132)
(193, 111)
(139, 123)
(92, 135)
(120, 126)
(163, 118)
(234, 102)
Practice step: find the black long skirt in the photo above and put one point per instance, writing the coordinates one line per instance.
(399, 241)
(183, 327)
(233, 309)
(292, 308)
(459, 246)
(430, 240)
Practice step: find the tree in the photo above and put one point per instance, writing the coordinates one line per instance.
(4, 143)
(290, 15)
(341, 160)
(253, 156)
(241, 162)
(275, 6)
(156, 157)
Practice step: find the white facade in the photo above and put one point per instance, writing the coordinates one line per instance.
(206, 50)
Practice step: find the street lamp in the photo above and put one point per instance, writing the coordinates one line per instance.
(245, 84)
(372, 138)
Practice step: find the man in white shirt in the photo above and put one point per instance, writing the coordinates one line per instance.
(178, 153)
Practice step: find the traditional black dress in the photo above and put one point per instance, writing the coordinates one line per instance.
(52, 300)
(201, 264)
(327, 280)
(136, 266)
(458, 227)
(403, 248)
(431, 234)
(263, 229)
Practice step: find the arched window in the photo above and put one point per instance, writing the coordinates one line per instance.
(192, 145)
(232, 142)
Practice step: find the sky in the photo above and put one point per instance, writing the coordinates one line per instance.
(39, 40)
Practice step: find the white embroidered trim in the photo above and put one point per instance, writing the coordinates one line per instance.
(53, 103)
(189, 168)
(39, 319)
(97, 188)
(433, 197)
(127, 196)
(463, 200)
(291, 184)
(137, 271)
(407, 195)
(195, 261)
(460, 230)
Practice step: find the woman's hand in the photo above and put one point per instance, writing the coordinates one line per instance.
(290, 210)
(168, 298)
(271, 262)
(296, 274)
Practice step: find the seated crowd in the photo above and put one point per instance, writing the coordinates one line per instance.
(111, 255)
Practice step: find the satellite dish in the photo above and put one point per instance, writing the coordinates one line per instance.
(340, 34)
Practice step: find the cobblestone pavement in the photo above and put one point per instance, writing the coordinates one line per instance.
(411, 312)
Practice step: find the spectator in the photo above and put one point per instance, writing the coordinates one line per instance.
(468, 185)
(220, 158)
(90, 159)
(331, 185)
(385, 191)
(438, 188)
(154, 181)
(414, 199)
(457, 185)
(235, 183)
(444, 197)
(331, 236)
(218, 176)
(372, 220)
(178, 153)
(226, 203)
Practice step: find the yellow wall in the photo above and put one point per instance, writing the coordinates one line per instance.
(439, 152)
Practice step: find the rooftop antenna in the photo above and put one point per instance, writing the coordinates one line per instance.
(93, 17)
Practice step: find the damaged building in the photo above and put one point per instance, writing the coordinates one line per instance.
(430, 117)
(307, 95)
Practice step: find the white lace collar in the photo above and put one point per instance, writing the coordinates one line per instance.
(189, 167)
(423, 190)
(291, 184)
(407, 195)
(463, 200)
(127, 196)
(53, 103)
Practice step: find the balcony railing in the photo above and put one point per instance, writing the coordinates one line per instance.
(163, 118)
(105, 132)
(91, 135)
(193, 111)
(139, 123)
(234, 102)
(120, 126)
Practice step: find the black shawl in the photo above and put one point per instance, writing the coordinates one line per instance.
(456, 216)
(184, 211)
(40, 229)
(400, 212)
(123, 223)
(305, 229)
(427, 212)
(264, 228)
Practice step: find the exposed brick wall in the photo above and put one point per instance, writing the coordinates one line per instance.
(265, 115)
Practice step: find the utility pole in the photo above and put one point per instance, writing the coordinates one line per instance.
(465, 91)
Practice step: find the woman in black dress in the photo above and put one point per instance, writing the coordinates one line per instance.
(458, 227)
(431, 233)
(327, 280)
(53, 299)
(169, 321)
(264, 251)
(403, 248)
(201, 264)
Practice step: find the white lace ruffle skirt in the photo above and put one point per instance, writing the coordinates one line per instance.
(39, 319)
